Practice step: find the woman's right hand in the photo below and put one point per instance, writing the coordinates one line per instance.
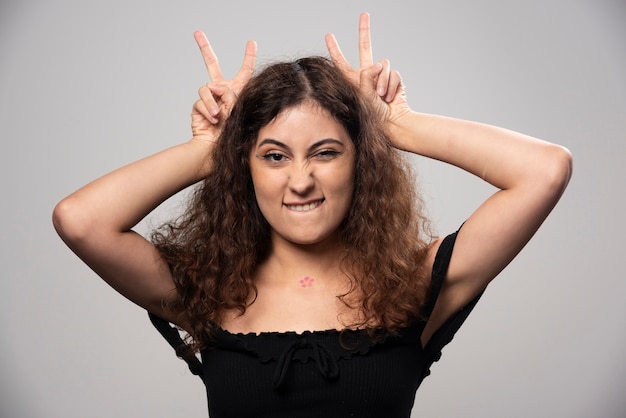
(218, 96)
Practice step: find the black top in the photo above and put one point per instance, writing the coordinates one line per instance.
(322, 373)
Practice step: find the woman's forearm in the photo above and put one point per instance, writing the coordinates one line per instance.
(504, 158)
(120, 199)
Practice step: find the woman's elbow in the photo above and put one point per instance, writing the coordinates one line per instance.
(70, 221)
(561, 166)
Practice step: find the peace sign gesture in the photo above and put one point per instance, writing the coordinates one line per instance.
(218, 96)
(375, 80)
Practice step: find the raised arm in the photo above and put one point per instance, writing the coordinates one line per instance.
(96, 220)
(530, 174)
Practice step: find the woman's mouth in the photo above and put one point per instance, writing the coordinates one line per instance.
(305, 207)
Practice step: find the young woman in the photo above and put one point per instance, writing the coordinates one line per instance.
(303, 269)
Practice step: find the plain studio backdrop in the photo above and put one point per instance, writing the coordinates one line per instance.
(86, 87)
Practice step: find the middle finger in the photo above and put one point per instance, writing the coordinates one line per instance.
(365, 41)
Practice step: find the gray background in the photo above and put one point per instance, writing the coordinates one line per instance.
(86, 87)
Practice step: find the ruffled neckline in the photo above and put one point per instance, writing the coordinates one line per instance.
(342, 344)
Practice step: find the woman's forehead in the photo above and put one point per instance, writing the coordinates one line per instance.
(304, 121)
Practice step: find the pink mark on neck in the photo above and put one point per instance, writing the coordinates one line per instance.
(306, 282)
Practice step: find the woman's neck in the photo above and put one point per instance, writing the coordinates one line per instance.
(298, 288)
(305, 263)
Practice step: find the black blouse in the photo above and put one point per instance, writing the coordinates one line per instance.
(322, 373)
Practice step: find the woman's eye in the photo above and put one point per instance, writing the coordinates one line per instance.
(274, 157)
(327, 154)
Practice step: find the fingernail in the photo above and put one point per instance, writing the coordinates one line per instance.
(214, 110)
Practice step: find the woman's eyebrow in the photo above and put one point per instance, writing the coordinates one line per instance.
(322, 142)
(326, 141)
(270, 141)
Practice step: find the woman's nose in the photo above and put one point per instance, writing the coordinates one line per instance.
(301, 180)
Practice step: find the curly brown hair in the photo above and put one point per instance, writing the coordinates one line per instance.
(214, 248)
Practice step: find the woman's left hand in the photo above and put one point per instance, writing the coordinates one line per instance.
(377, 81)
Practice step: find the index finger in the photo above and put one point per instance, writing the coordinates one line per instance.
(365, 41)
(208, 55)
(335, 53)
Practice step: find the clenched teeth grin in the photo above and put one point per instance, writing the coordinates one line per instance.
(306, 207)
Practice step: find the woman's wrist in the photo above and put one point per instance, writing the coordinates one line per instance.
(203, 150)
(406, 131)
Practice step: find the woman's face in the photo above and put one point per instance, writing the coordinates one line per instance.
(302, 167)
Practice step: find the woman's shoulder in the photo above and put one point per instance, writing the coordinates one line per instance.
(446, 299)
(439, 254)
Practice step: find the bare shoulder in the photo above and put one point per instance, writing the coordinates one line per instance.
(431, 254)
